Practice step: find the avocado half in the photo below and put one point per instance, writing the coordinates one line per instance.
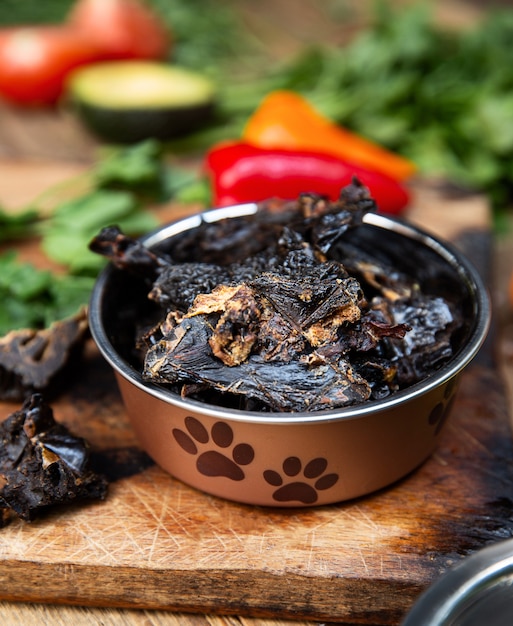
(129, 101)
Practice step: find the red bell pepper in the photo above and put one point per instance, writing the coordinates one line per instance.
(241, 172)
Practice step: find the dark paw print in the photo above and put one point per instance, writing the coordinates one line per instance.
(214, 462)
(301, 490)
(441, 411)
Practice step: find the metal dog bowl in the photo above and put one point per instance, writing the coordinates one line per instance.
(291, 459)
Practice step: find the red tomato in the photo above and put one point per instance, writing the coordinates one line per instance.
(35, 60)
(123, 29)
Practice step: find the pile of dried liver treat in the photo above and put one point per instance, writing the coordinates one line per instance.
(32, 359)
(42, 464)
(269, 313)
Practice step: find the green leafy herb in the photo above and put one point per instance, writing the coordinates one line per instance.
(142, 168)
(207, 33)
(139, 168)
(193, 190)
(121, 178)
(65, 237)
(33, 11)
(18, 225)
(33, 298)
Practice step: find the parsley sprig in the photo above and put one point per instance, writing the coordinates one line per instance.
(122, 184)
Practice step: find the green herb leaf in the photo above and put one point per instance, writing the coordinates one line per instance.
(33, 298)
(17, 225)
(138, 167)
(65, 237)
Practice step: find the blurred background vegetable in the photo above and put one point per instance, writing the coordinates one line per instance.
(129, 101)
(35, 61)
(241, 172)
(441, 98)
(284, 119)
(122, 29)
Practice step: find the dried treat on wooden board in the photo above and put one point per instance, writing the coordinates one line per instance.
(30, 359)
(42, 464)
(280, 321)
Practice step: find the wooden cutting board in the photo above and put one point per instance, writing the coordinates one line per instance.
(156, 543)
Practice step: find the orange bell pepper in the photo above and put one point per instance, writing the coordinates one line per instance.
(286, 120)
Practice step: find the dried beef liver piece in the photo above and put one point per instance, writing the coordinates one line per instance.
(428, 344)
(288, 255)
(314, 298)
(188, 343)
(379, 373)
(178, 285)
(303, 385)
(361, 343)
(264, 261)
(31, 359)
(238, 322)
(42, 464)
(297, 385)
(330, 220)
(238, 238)
(313, 301)
(278, 340)
(376, 275)
(365, 335)
(128, 253)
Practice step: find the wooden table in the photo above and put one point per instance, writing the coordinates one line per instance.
(157, 552)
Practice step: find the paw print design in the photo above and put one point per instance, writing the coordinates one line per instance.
(441, 411)
(223, 460)
(305, 490)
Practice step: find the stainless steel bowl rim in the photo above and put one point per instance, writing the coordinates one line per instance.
(443, 602)
(445, 250)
